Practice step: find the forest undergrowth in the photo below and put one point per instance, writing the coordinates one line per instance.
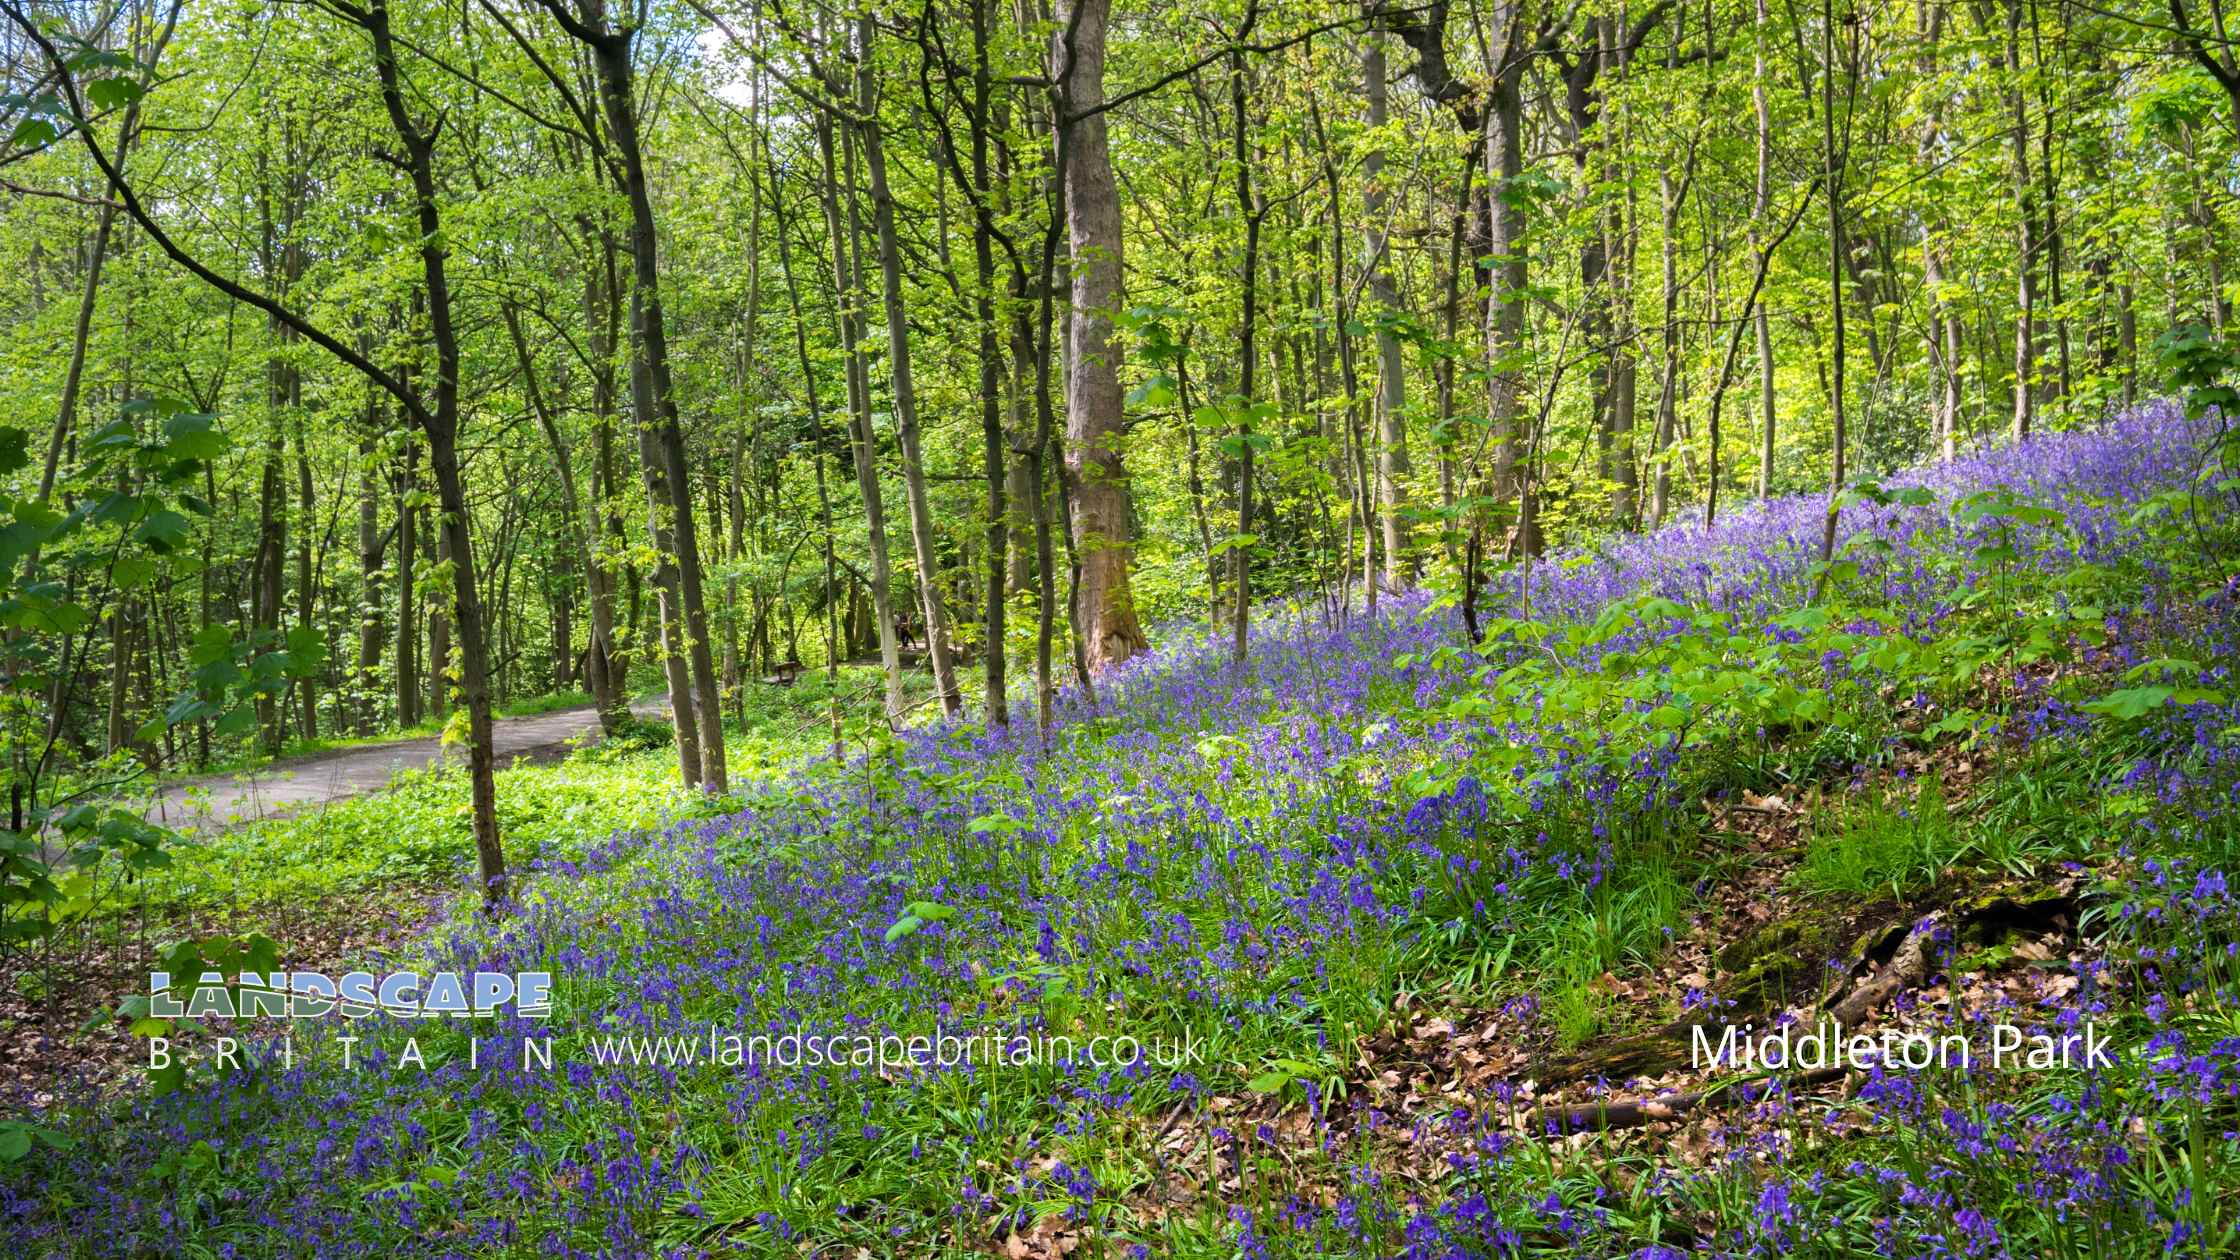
(1415, 923)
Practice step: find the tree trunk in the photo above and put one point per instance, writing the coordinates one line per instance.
(1505, 310)
(668, 591)
(848, 305)
(1392, 381)
(653, 394)
(1668, 384)
(1249, 208)
(1833, 186)
(442, 428)
(922, 537)
(408, 594)
(272, 539)
(307, 586)
(1944, 323)
(607, 658)
(438, 665)
(2025, 194)
(1761, 206)
(1105, 601)
(372, 546)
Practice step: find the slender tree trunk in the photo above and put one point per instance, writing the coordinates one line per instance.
(81, 339)
(653, 394)
(820, 443)
(437, 541)
(372, 547)
(441, 425)
(922, 537)
(1353, 458)
(1833, 186)
(848, 303)
(1250, 209)
(307, 586)
(272, 536)
(1624, 231)
(1392, 381)
(1505, 310)
(1761, 206)
(408, 582)
(607, 658)
(2026, 247)
(1669, 192)
(81, 334)
(2127, 339)
(577, 542)
(1944, 323)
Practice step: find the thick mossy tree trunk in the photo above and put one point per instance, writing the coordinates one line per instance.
(1101, 529)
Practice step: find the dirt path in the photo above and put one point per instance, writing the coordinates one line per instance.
(223, 800)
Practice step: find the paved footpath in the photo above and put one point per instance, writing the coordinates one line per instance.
(282, 786)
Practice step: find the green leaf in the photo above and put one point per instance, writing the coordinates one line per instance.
(132, 572)
(114, 93)
(1157, 391)
(2131, 702)
(307, 651)
(33, 133)
(163, 530)
(212, 643)
(15, 450)
(194, 436)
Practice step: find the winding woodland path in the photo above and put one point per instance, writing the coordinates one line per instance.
(277, 788)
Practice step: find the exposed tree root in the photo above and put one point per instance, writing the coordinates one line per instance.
(1632, 1112)
(1907, 963)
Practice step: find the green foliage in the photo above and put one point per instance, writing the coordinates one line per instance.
(2202, 370)
(121, 534)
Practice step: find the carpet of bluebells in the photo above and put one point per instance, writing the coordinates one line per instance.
(1243, 865)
